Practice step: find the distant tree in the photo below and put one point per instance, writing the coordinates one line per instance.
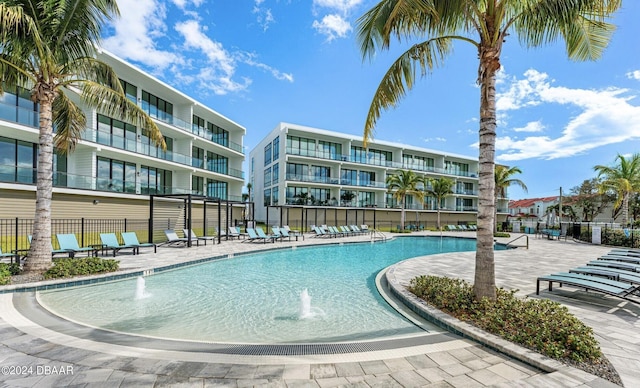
(623, 179)
(588, 198)
(439, 189)
(346, 197)
(504, 179)
(567, 210)
(401, 184)
(249, 187)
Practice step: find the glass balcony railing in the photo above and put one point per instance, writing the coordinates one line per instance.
(376, 162)
(16, 114)
(133, 145)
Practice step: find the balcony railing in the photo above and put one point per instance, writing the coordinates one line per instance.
(16, 114)
(138, 147)
(375, 162)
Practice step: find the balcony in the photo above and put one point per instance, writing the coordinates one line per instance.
(377, 163)
(133, 145)
(16, 114)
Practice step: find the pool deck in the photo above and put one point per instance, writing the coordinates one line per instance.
(49, 358)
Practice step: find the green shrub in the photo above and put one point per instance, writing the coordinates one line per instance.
(5, 274)
(538, 324)
(501, 234)
(65, 268)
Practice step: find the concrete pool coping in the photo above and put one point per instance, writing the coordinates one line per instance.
(573, 375)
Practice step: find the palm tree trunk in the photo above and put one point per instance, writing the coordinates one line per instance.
(484, 282)
(625, 209)
(402, 216)
(39, 257)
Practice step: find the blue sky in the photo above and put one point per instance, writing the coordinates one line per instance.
(261, 62)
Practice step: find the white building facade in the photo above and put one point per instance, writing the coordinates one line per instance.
(303, 166)
(116, 160)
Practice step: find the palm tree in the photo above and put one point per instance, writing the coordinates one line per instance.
(439, 188)
(49, 48)
(401, 184)
(485, 25)
(622, 179)
(503, 179)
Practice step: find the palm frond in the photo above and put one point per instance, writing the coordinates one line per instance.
(400, 77)
(393, 18)
(114, 103)
(69, 121)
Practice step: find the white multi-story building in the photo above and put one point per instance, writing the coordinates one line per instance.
(115, 164)
(303, 166)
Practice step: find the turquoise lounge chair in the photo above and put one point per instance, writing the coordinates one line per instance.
(280, 233)
(253, 236)
(69, 243)
(592, 283)
(110, 241)
(174, 240)
(130, 238)
(263, 235)
(9, 255)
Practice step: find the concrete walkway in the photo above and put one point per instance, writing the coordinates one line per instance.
(34, 355)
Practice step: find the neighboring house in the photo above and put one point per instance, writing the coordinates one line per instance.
(296, 165)
(532, 207)
(115, 166)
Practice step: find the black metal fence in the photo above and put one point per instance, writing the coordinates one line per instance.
(14, 231)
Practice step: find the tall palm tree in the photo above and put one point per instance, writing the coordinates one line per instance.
(49, 47)
(401, 184)
(439, 188)
(486, 25)
(503, 179)
(623, 179)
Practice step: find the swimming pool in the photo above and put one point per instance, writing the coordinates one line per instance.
(256, 298)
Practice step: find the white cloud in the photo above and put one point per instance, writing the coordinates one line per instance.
(432, 139)
(333, 26)
(143, 24)
(533, 126)
(140, 24)
(604, 117)
(634, 75)
(343, 6)
(264, 16)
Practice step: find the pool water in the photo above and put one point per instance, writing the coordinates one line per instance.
(256, 298)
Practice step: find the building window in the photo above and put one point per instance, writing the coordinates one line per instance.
(297, 172)
(267, 197)
(116, 133)
(328, 150)
(319, 197)
(116, 175)
(321, 174)
(366, 199)
(155, 180)
(347, 197)
(151, 149)
(18, 161)
(456, 168)
(16, 106)
(367, 178)
(371, 156)
(297, 196)
(276, 148)
(267, 154)
(131, 91)
(301, 146)
(197, 185)
(197, 157)
(274, 196)
(218, 135)
(217, 163)
(157, 107)
(275, 173)
(217, 189)
(349, 177)
(198, 126)
(267, 177)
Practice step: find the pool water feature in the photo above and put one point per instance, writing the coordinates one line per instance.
(257, 298)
